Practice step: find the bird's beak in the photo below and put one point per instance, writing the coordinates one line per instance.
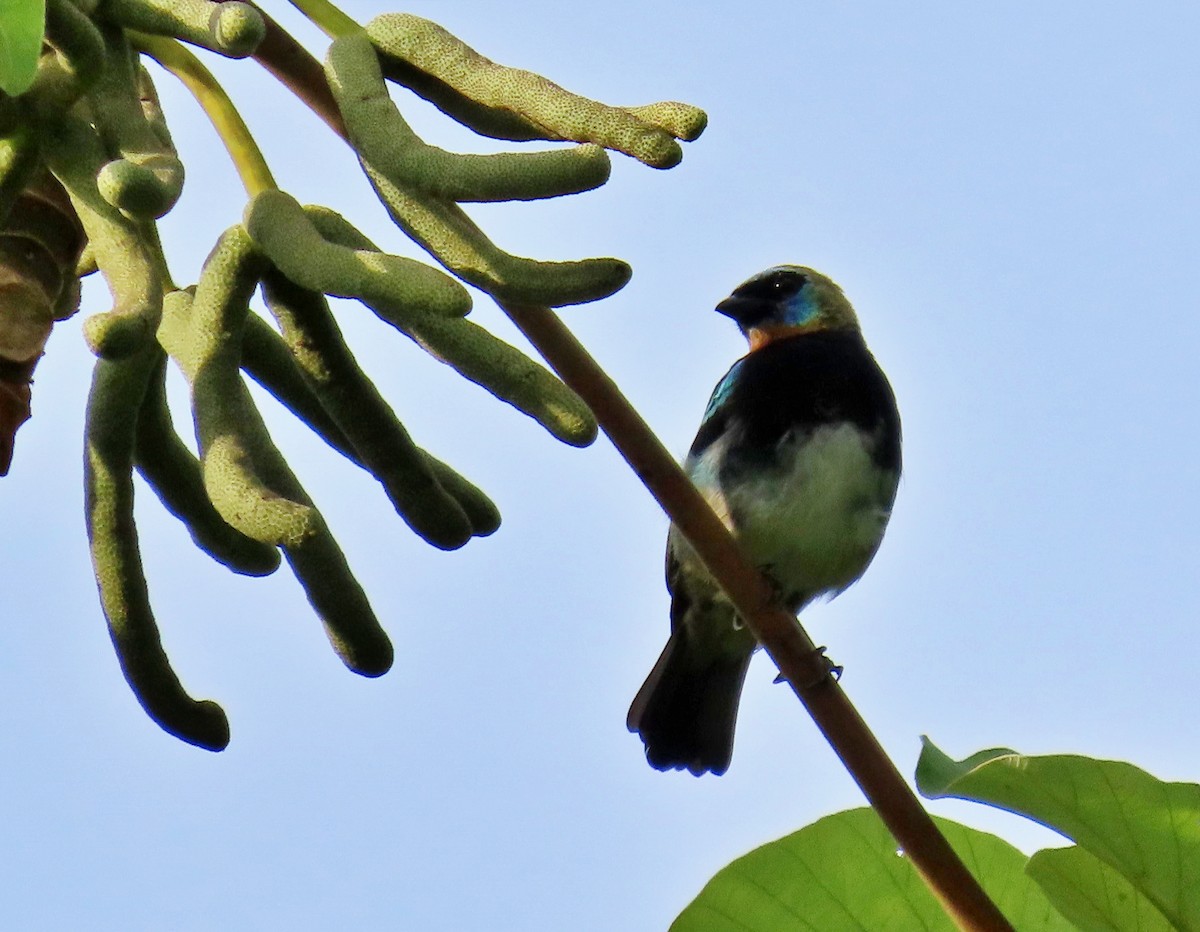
(746, 311)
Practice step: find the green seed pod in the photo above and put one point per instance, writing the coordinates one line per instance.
(336, 229)
(340, 603)
(513, 104)
(203, 335)
(407, 288)
(117, 390)
(174, 473)
(146, 181)
(246, 476)
(683, 121)
(486, 360)
(455, 241)
(78, 60)
(146, 188)
(75, 155)
(441, 226)
(384, 138)
(510, 375)
(480, 510)
(382, 445)
(232, 29)
(267, 359)
(345, 391)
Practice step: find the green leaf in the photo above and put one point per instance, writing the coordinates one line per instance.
(1093, 896)
(22, 23)
(844, 872)
(1146, 830)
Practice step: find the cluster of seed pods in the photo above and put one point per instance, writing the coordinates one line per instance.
(91, 127)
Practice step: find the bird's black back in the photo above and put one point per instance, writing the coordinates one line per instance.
(797, 384)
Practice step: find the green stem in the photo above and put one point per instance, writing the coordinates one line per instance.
(332, 21)
(243, 150)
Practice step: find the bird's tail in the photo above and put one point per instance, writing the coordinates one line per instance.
(686, 710)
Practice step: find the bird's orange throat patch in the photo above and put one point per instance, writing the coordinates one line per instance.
(769, 333)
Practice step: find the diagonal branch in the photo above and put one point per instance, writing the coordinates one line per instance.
(291, 64)
(802, 664)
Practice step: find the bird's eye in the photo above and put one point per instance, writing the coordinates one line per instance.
(788, 281)
(773, 285)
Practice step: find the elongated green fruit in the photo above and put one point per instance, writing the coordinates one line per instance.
(510, 375)
(488, 361)
(147, 179)
(117, 390)
(510, 103)
(480, 510)
(683, 121)
(232, 29)
(340, 603)
(455, 241)
(416, 183)
(385, 139)
(75, 154)
(383, 445)
(331, 381)
(204, 336)
(174, 474)
(268, 360)
(77, 62)
(282, 230)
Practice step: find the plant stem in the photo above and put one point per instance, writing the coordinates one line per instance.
(290, 63)
(243, 150)
(332, 21)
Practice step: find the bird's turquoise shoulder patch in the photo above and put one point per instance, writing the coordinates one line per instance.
(721, 392)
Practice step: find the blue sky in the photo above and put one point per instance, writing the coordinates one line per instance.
(1008, 194)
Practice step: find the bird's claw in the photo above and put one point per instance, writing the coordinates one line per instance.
(831, 670)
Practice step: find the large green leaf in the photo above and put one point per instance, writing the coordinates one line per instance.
(1091, 894)
(1146, 830)
(844, 872)
(22, 23)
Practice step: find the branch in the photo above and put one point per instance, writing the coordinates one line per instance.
(801, 663)
(291, 64)
(789, 646)
(247, 158)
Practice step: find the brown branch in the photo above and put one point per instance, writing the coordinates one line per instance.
(290, 63)
(781, 635)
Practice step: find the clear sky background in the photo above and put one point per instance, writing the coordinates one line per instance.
(1008, 194)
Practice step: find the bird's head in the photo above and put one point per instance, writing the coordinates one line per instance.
(786, 300)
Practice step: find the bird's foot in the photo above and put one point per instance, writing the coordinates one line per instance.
(831, 669)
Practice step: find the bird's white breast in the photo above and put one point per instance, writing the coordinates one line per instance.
(815, 519)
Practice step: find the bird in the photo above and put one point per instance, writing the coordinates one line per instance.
(798, 453)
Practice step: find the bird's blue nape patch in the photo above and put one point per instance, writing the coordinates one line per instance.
(800, 308)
